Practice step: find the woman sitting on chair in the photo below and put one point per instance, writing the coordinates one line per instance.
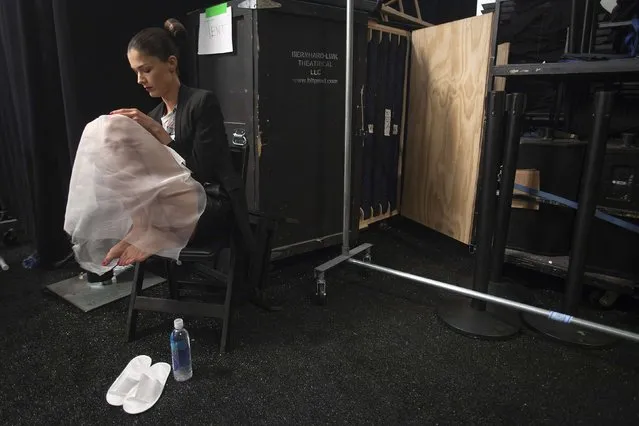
(147, 185)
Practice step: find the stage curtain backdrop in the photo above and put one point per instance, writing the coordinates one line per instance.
(62, 64)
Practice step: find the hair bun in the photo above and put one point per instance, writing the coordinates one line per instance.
(175, 28)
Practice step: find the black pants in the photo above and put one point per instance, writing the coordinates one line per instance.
(214, 223)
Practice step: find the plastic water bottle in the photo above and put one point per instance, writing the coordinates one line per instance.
(181, 352)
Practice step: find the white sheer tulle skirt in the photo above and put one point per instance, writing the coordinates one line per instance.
(127, 186)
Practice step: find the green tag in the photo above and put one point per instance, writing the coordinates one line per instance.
(218, 9)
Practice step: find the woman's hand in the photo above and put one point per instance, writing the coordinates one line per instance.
(147, 122)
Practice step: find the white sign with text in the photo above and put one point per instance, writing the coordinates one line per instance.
(216, 33)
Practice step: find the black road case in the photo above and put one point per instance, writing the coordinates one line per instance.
(282, 92)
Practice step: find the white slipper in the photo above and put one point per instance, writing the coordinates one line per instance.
(149, 390)
(127, 380)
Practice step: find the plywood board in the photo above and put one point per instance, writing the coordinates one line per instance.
(503, 51)
(528, 178)
(449, 65)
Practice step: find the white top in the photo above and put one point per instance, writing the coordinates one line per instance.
(168, 122)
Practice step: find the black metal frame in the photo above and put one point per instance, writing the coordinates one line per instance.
(492, 263)
(596, 69)
(476, 319)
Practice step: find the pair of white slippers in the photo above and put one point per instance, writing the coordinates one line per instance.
(139, 386)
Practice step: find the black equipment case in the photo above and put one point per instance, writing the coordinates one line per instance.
(282, 92)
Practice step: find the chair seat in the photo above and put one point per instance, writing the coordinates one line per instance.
(202, 252)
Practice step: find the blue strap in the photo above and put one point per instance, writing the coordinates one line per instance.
(632, 39)
(573, 205)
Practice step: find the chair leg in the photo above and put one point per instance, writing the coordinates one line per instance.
(170, 277)
(136, 289)
(224, 340)
(259, 266)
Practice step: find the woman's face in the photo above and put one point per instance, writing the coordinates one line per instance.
(156, 76)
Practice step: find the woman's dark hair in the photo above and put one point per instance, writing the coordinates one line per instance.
(160, 42)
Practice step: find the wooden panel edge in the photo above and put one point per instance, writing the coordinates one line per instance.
(501, 58)
(402, 133)
(373, 25)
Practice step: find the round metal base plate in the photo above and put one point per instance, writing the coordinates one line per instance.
(461, 317)
(568, 333)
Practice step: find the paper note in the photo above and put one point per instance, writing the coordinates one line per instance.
(216, 30)
(608, 5)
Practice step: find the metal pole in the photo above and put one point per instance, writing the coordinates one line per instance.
(493, 46)
(348, 110)
(589, 11)
(582, 336)
(588, 196)
(487, 202)
(572, 30)
(551, 315)
(509, 169)
(474, 318)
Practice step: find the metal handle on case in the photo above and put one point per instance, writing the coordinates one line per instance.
(239, 137)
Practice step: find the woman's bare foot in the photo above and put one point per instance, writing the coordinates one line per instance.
(131, 255)
(128, 250)
(115, 252)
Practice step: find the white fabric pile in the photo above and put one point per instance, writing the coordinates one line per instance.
(126, 185)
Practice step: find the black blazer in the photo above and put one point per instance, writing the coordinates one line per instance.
(200, 138)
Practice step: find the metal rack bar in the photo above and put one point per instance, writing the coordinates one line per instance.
(545, 314)
(348, 111)
(586, 68)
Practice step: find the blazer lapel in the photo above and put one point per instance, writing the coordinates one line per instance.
(156, 113)
(180, 119)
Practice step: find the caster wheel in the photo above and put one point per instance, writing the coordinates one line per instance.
(365, 273)
(320, 299)
(320, 293)
(10, 238)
